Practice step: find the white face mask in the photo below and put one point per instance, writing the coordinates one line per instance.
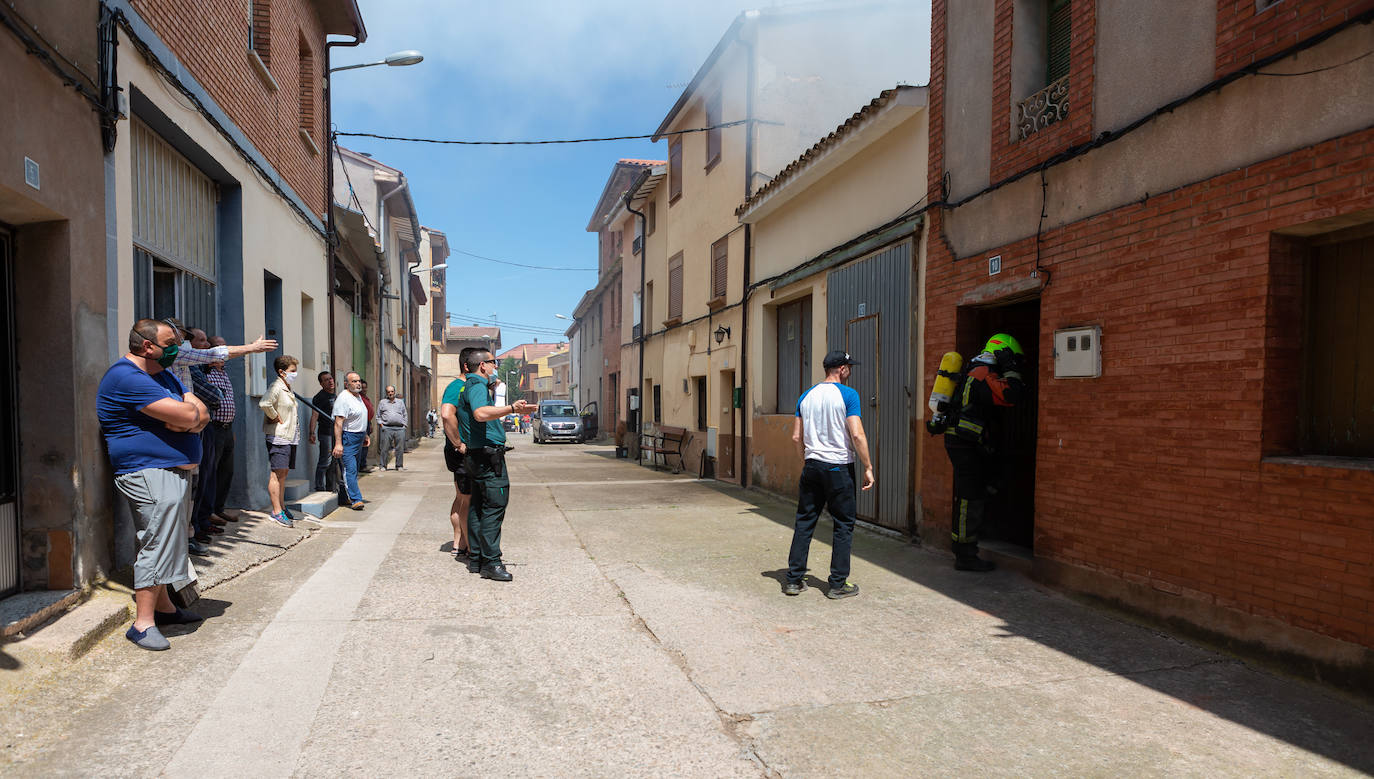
(291, 376)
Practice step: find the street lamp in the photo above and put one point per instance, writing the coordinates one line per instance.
(560, 316)
(400, 58)
(440, 266)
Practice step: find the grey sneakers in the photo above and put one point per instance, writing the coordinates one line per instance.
(793, 588)
(848, 590)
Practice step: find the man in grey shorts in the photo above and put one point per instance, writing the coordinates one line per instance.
(151, 425)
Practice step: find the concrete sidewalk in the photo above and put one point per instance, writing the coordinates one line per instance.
(62, 635)
(645, 634)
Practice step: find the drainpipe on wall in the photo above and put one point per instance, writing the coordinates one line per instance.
(330, 239)
(643, 325)
(383, 261)
(746, 411)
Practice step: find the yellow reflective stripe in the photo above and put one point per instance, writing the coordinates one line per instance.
(972, 427)
(963, 522)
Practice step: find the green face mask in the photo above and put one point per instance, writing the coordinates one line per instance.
(169, 355)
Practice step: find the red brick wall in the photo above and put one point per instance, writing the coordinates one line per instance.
(1244, 36)
(1154, 472)
(1010, 156)
(210, 37)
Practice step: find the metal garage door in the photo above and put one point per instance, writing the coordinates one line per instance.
(9, 433)
(869, 314)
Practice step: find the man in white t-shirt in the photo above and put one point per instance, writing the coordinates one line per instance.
(350, 435)
(828, 433)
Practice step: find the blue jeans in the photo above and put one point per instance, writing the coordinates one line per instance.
(352, 445)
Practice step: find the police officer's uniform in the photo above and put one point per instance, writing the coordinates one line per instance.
(486, 467)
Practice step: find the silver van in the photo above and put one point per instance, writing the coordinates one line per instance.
(557, 420)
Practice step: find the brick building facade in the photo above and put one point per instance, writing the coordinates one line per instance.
(264, 64)
(1191, 203)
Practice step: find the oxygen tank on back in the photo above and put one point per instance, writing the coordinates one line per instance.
(941, 395)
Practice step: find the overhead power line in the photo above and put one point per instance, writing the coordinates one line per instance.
(551, 141)
(484, 321)
(516, 264)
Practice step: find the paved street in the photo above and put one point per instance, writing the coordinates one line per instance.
(645, 634)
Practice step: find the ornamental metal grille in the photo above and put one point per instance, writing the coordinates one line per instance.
(1043, 108)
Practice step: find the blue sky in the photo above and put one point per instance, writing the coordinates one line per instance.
(515, 71)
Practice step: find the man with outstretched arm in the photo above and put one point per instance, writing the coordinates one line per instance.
(480, 429)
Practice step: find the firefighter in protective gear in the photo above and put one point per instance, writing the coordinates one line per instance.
(990, 380)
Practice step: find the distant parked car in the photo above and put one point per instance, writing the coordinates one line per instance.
(510, 422)
(557, 420)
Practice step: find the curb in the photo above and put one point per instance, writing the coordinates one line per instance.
(50, 639)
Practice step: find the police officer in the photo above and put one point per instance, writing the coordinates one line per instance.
(480, 429)
(991, 380)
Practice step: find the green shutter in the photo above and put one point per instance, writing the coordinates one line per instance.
(1059, 40)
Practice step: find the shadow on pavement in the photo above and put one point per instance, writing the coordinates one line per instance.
(1279, 707)
(810, 580)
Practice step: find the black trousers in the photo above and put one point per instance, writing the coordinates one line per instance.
(224, 465)
(974, 473)
(824, 486)
(203, 496)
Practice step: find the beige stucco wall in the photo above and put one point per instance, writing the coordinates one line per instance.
(1131, 79)
(872, 188)
(968, 75)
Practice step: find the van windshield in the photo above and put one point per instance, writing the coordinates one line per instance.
(559, 410)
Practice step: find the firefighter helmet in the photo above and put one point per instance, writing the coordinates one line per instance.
(1003, 341)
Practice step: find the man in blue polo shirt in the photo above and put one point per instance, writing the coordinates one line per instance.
(151, 425)
(828, 433)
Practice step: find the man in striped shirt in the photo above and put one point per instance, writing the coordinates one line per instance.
(222, 420)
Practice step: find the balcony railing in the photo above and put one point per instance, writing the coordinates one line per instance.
(1043, 108)
(638, 245)
(636, 332)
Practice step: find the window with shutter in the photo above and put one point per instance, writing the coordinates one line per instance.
(712, 135)
(675, 287)
(720, 267)
(174, 232)
(651, 217)
(674, 169)
(1059, 40)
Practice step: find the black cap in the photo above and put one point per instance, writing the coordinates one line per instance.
(837, 358)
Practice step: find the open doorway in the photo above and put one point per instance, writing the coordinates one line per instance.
(1011, 511)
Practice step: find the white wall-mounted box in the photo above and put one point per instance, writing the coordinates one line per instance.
(257, 374)
(1078, 353)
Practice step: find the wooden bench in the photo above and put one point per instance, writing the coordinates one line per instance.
(664, 442)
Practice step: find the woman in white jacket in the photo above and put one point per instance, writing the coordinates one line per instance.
(281, 431)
